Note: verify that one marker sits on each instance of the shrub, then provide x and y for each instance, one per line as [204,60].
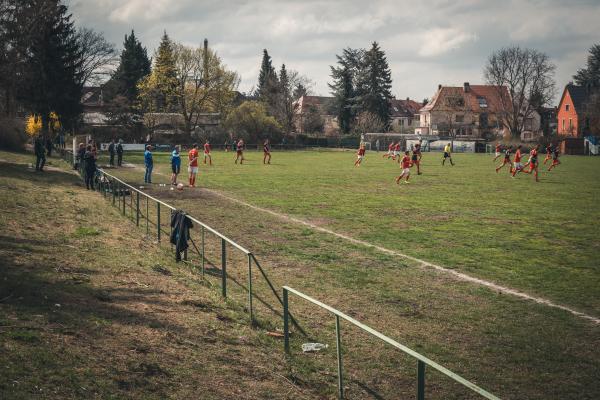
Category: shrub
[12,134]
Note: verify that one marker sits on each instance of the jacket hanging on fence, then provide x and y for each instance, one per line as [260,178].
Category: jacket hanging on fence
[180,234]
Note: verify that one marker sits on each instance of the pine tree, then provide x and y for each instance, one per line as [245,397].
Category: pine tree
[166,75]
[374,85]
[49,76]
[590,76]
[267,74]
[134,65]
[299,91]
[343,88]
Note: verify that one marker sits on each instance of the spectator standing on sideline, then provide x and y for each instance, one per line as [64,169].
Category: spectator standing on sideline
[79,160]
[377,145]
[40,153]
[49,146]
[61,140]
[111,153]
[120,153]
[175,165]
[90,167]
[149,164]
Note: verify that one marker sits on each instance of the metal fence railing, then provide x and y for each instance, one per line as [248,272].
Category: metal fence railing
[422,361]
[139,207]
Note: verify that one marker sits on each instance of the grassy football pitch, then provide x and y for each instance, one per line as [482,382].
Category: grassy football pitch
[541,238]
[537,238]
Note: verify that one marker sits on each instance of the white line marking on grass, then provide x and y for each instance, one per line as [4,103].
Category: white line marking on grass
[459,275]
[422,263]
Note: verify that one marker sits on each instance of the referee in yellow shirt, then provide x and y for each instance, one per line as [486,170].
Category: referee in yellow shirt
[448,154]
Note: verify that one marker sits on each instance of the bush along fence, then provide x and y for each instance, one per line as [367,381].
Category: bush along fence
[138,206]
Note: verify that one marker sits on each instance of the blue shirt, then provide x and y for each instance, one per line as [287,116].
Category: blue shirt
[175,159]
[148,158]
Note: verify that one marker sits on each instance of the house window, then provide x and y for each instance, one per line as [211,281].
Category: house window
[570,124]
[482,102]
[563,125]
[529,124]
[460,118]
[566,107]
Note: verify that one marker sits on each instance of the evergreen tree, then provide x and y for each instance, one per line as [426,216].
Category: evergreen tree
[591,74]
[299,91]
[266,76]
[133,66]
[374,85]
[343,88]
[165,73]
[49,73]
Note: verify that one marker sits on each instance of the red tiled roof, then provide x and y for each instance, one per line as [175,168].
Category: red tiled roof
[479,98]
[404,108]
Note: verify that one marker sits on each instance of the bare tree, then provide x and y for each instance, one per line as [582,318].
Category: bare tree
[519,75]
[98,56]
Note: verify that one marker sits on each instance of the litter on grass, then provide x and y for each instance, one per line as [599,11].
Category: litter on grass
[313,347]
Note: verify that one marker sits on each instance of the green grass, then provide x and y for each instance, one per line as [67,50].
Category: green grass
[537,237]
[514,348]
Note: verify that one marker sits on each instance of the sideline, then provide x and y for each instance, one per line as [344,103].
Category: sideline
[422,263]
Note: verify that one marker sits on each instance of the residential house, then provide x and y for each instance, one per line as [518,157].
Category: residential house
[574,115]
[405,115]
[94,110]
[470,111]
[306,105]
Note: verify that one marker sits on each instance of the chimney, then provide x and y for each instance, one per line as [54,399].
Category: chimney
[440,86]
[467,87]
[408,98]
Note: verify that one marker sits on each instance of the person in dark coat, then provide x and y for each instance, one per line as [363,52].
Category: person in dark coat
[49,146]
[40,153]
[90,167]
[120,153]
[111,153]
[79,160]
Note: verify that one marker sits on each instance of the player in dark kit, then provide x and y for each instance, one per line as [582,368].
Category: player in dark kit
[415,158]
[506,160]
[267,152]
[555,160]
[549,151]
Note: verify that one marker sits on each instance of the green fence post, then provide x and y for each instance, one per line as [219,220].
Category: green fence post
[250,287]
[158,220]
[338,341]
[137,208]
[112,188]
[420,380]
[203,252]
[123,196]
[286,325]
[223,268]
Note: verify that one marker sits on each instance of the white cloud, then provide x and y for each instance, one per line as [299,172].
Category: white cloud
[442,40]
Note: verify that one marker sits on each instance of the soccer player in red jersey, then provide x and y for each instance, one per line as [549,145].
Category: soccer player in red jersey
[267,152]
[405,165]
[360,155]
[555,160]
[239,151]
[533,162]
[498,151]
[207,152]
[390,151]
[396,151]
[193,164]
[506,160]
[518,165]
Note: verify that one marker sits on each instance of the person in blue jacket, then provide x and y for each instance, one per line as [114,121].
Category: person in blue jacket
[175,165]
[149,164]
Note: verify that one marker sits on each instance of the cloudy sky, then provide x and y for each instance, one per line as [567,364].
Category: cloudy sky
[426,42]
